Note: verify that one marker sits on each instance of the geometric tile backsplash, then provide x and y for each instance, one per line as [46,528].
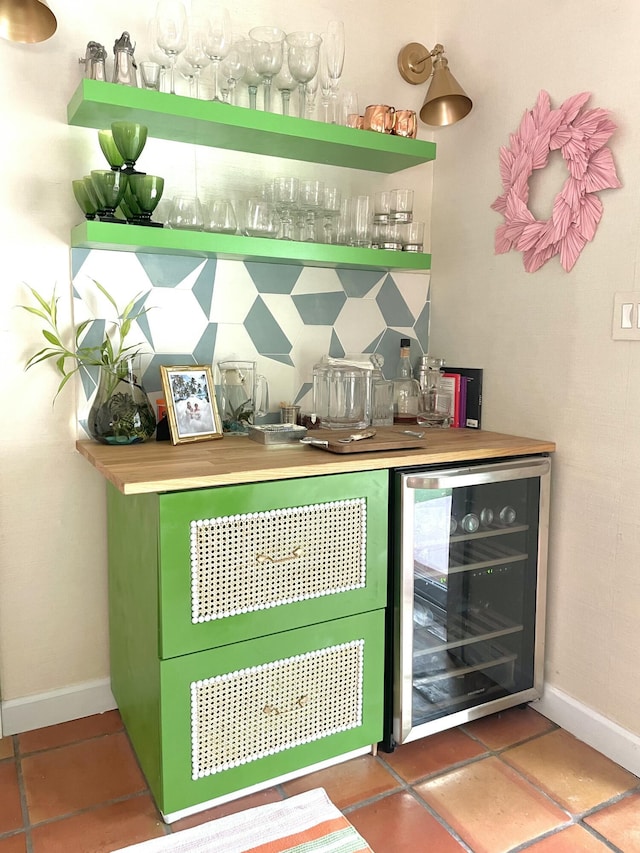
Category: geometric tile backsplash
[284,317]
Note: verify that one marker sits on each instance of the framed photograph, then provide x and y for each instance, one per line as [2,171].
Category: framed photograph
[191,403]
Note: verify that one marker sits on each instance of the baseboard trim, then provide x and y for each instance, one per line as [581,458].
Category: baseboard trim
[56,706]
[594,729]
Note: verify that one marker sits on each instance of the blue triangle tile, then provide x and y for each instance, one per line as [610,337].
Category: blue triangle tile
[143,321]
[273,278]
[373,346]
[392,305]
[264,331]
[336,350]
[389,348]
[421,327]
[358,282]
[319,309]
[167,270]
[304,389]
[279,357]
[203,286]
[78,257]
[204,349]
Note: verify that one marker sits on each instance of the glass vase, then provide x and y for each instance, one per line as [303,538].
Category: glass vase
[121,412]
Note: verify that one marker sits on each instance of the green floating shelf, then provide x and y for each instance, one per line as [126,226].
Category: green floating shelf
[135,238]
[218,125]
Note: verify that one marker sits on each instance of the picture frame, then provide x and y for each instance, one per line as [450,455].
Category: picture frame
[190,398]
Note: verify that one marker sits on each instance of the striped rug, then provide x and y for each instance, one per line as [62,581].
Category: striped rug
[306,823]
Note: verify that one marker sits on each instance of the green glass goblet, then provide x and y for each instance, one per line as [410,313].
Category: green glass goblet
[147,190]
[93,195]
[130,139]
[131,201]
[110,149]
[86,203]
[110,187]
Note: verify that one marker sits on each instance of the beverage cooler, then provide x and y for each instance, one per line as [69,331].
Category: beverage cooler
[467,630]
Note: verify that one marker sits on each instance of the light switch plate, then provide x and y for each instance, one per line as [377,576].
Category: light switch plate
[626,316]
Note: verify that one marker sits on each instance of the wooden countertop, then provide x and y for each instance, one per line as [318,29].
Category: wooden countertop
[162,467]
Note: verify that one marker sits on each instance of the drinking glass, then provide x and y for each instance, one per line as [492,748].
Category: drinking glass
[303,58]
[220,217]
[401,206]
[171,18]
[267,52]
[331,202]
[261,218]
[147,190]
[349,113]
[334,55]
[186,213]
[251,77]
[324,81]
[285,82]
[195,53]
[218,36]
[95,199]
[312,91]
[310,203]
[109,187]
[361,221]
[412,236]
[88,204]
[130,138]
[110,149]
[150,75]
[233,69]
[285,196]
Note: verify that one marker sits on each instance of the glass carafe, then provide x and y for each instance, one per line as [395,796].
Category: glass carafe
[243,395]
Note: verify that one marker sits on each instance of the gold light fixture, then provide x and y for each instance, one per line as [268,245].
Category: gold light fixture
[26,21]
[446,101]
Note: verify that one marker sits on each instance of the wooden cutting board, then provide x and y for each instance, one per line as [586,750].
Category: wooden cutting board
[386,438]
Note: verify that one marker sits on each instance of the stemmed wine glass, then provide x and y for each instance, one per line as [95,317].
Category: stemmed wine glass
[267,52]
[234,68]
[303,58]
[218,36]
[334,55]
[285,196]
[251,76]
[324,80]
[172,31]
[195,54]
[285,83]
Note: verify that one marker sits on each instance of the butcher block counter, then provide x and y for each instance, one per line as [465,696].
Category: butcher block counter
[162,467]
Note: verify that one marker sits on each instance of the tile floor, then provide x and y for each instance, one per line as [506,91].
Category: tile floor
[510,782]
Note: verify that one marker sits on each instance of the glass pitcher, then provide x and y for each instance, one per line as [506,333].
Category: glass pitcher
[243,395]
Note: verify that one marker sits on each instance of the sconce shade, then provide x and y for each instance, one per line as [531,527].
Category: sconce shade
[26,21]
[446,101]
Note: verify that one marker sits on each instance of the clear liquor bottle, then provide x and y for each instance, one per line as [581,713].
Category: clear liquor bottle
[406,389]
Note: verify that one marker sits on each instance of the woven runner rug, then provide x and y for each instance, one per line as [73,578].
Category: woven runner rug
[306,823]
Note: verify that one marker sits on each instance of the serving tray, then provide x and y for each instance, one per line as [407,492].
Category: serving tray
[386,438]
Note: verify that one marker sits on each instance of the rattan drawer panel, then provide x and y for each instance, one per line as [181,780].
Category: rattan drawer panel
[245,561]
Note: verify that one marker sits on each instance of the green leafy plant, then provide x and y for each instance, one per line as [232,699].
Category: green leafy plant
[113,353]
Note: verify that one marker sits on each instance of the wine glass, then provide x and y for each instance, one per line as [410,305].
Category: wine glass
[267,52]
[310,202]
[195,53]
[334,55]
[311,92]
[285,197]
[285,83]
[251,77]
[218,36]
[110,149]
[303,58]
[147,190]
[172,32]
[130,139]
[324,81]
[109,187]
[233,68]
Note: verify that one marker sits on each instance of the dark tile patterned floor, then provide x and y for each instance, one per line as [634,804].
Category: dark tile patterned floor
[510,782]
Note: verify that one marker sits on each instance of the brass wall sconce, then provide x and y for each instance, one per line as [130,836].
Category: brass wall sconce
[446,101]
[26,21]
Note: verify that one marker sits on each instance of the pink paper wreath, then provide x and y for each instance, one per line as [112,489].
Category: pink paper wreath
[581,135]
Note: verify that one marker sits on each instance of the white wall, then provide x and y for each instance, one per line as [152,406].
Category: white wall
[53,631]
[544,339]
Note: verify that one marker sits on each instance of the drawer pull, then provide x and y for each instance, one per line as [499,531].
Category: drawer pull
[298,551]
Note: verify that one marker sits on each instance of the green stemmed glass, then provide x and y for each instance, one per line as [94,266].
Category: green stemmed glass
[88,204]
[147,190]
[110,149]
[130,139]
[110,187]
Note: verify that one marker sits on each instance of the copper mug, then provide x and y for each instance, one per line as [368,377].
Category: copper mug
[379,117]
[406,123]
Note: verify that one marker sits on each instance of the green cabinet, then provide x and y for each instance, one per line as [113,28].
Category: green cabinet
[247,629]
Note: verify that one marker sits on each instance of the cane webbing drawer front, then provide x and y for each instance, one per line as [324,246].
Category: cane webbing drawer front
[262,708]
[244,561]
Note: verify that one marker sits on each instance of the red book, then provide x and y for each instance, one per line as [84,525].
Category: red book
[454,380]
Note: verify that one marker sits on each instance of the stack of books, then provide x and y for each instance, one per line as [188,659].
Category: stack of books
[465,384]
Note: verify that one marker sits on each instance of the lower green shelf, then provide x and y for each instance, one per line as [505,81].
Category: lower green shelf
[136,238]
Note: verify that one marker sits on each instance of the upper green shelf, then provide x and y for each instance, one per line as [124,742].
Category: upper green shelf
[137,238]
[218,125]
